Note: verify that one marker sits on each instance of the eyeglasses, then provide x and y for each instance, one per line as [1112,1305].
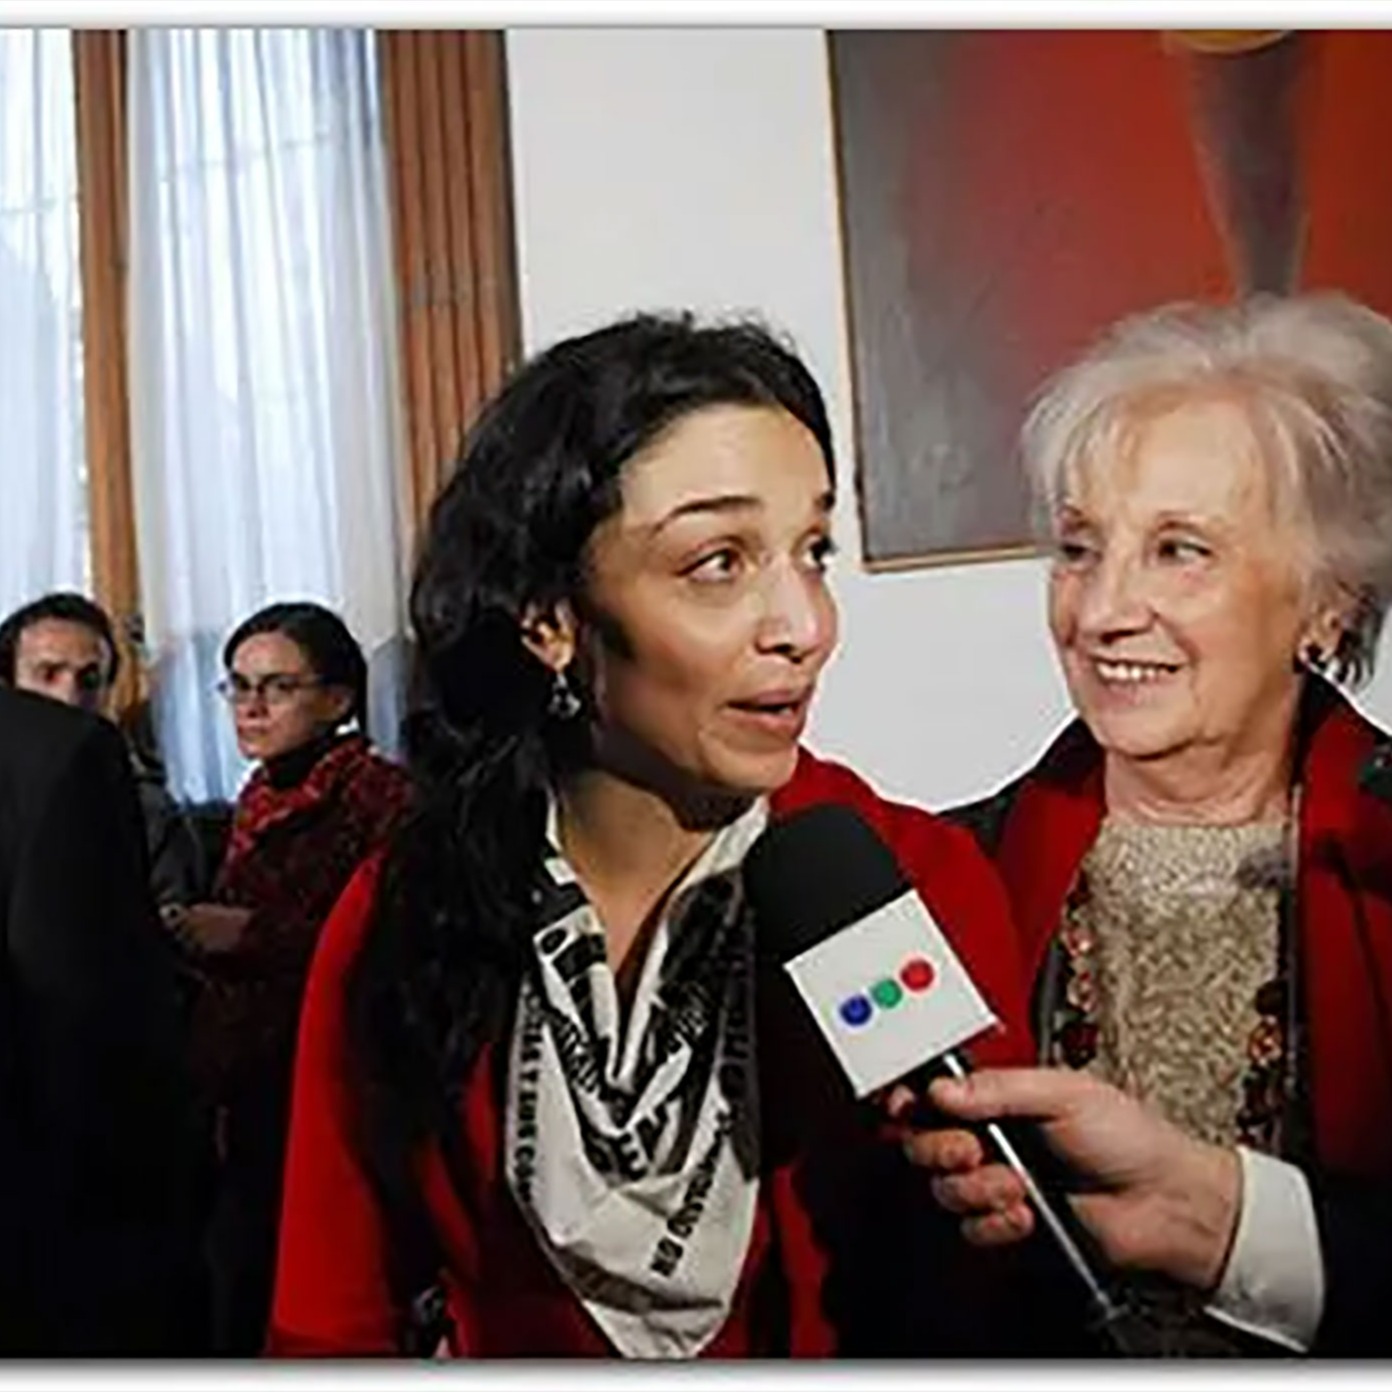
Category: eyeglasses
[275,689]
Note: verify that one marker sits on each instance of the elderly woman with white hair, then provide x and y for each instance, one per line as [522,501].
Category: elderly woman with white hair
[1199,869]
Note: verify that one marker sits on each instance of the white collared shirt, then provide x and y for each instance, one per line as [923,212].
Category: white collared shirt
[1273,1283]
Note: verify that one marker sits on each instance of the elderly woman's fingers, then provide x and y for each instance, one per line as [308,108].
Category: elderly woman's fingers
[987,1189]
[944,1150]
[1044,1093]
[900,1102]
[1000,1229]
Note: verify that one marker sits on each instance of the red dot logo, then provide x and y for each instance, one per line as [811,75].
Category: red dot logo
[917,974]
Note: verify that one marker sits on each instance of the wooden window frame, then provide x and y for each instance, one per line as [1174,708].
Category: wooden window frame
[99,73]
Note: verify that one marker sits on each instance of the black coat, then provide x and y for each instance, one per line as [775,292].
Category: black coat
[97,1151]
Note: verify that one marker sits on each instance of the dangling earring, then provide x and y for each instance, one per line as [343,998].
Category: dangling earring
[1313,658]
[563,703]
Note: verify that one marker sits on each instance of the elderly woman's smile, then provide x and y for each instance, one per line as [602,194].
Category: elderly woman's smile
[1132,672]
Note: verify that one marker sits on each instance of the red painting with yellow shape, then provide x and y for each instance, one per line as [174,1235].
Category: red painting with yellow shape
[1006,194]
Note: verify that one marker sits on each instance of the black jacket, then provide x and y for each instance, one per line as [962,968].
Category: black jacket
[97,1148]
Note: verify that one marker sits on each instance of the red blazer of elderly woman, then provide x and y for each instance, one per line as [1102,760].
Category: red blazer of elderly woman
[1041,826]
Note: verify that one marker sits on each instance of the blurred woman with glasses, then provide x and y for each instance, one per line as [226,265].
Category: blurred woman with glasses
[318,800]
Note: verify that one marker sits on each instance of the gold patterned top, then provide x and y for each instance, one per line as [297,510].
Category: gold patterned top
[1182,926]
[1172,935]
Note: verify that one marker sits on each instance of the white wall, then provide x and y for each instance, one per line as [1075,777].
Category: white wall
[694,167]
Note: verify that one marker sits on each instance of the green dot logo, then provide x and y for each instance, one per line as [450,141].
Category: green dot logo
[886,994]
[915,976]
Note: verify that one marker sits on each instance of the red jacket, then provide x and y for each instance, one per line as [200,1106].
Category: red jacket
[1343,907]
[835,1237]
[290,854]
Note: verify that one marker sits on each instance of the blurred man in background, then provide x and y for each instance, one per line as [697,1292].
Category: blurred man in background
[62,645]
[97,1143]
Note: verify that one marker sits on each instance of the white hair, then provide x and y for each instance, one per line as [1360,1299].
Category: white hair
[1313,375]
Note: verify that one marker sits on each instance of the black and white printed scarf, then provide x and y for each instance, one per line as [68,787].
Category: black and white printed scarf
[631,1146]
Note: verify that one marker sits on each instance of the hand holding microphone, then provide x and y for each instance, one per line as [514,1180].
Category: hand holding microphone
[1158,1199]
[889,995]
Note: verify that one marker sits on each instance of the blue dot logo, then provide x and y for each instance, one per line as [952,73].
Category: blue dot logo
[856,1011]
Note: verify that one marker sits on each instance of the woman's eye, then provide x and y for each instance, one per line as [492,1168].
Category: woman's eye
[1071,551]
[1182,549]
[716,565]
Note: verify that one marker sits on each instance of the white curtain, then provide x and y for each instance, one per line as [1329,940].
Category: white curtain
[265,427]
[43,515]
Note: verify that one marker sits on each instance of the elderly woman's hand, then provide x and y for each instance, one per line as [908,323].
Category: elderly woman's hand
[1156,1198]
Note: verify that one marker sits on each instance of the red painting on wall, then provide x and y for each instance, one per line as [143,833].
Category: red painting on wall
[1007,193]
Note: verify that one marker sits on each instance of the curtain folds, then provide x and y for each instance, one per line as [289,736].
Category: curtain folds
[264,395]
[44,521]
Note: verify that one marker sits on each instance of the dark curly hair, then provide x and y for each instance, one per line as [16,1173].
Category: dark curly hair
[541,468]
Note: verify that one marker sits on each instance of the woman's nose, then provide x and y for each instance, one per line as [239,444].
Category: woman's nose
[797,615]
[1114,597]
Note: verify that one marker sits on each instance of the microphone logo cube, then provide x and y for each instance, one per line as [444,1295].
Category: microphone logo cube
[889,993]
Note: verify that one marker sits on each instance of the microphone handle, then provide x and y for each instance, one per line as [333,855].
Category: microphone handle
[1109,1317]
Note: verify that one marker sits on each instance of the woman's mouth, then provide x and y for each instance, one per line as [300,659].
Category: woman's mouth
[776,713]
[1132,674]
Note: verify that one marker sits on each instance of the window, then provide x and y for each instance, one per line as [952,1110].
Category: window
[265,421]
[255,283]
[43,525]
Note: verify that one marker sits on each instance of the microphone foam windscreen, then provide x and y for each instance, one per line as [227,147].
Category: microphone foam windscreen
[814,873]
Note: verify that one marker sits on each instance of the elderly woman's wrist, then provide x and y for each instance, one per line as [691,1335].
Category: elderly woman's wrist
[1207,1198]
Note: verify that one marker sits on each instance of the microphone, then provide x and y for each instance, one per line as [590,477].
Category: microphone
[889,995]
